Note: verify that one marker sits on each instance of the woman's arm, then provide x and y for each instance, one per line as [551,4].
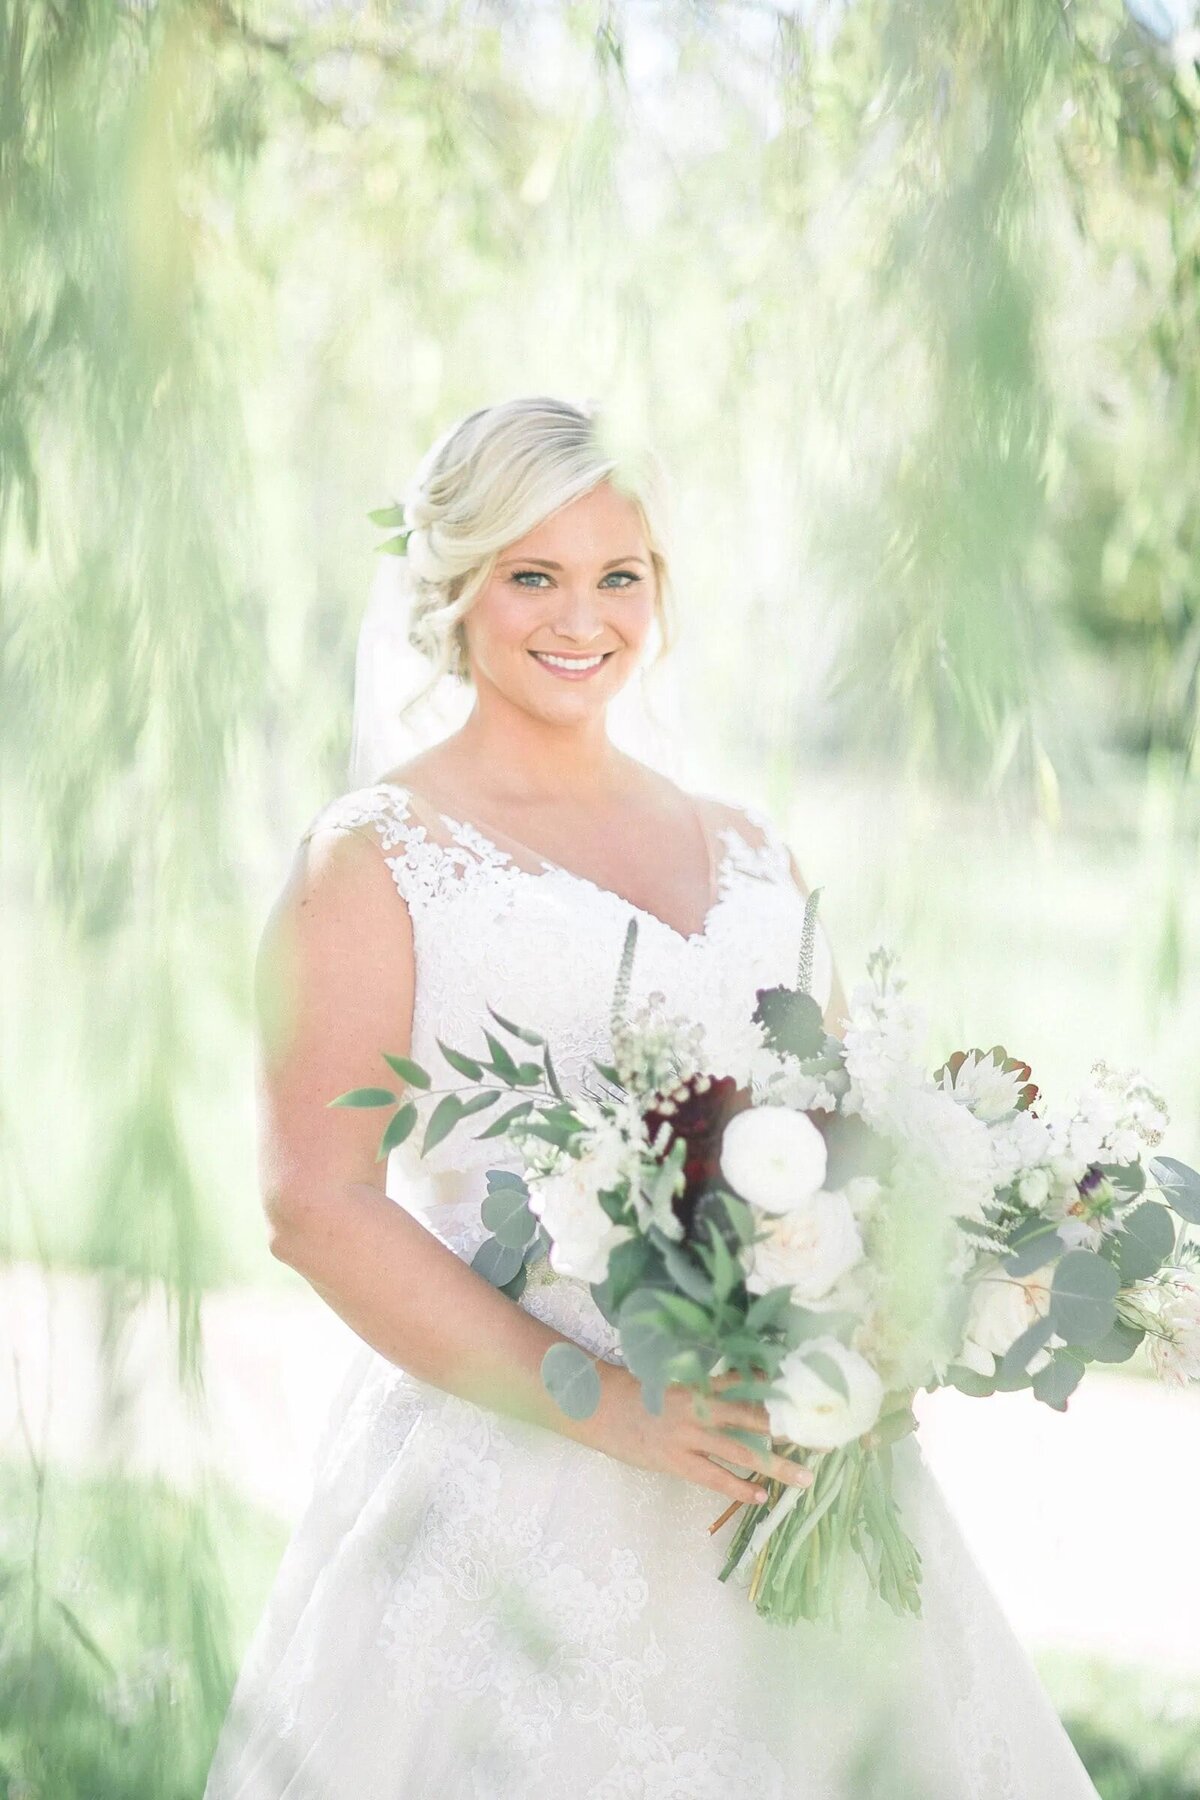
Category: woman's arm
[334,985]
[838,1007]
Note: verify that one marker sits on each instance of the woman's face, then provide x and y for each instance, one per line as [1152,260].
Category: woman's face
[561,624]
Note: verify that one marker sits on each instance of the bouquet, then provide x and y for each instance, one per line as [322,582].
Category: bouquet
[841,1231]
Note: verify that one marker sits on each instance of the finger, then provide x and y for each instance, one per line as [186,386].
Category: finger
[780,1468]
[711,1475]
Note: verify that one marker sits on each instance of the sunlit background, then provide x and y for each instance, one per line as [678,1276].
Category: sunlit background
[907,294]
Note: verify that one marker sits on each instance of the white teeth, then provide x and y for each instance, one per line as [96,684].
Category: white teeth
[568,662]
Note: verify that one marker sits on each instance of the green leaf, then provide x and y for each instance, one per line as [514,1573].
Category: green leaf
[496,1262]
[399,1127]
[684,1270]
[1033,1251]
[478,1102]
[572,1380]
[518,1031]
[1146,1240]
[1129,1177]
[466,1065]
[387,515]
[502,1062]
[1180,1185]
[506,1213]
[1024,1348]
[408,1070]
[394,546]
[1119,1345]
[831,1373]
[552,1081]
[791,1021]
[685,1312]
[970,1381]
[1081,1297]
[529,1074]
[505,1178]
[769,1309]
[516,1287]
[499,1126]
[724,1271]
[1058,1379]
[646,1340]
[366,1097]
[442,1120]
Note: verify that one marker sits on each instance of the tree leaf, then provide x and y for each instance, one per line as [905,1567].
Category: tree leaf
[466,1065]
[399,1127]
[1058,1379]
[408,1070]
[502,1062]
[368,1096]
[1033,1251]
[499,1126]
[522,1032]
[442,1120]
[1023,1349]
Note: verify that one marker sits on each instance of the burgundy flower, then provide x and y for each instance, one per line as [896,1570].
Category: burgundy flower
[697,1111]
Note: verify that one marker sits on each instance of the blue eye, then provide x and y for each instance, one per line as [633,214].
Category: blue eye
[629,577]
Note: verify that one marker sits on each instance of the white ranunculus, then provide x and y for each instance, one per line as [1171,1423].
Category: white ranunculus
[1175,1357]
[813,1414]
[1001,1308]
[582,1234]
[773,1157]
[807,1249]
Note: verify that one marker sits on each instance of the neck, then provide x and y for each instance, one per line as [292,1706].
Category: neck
[538,759]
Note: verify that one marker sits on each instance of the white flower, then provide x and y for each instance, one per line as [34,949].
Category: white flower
[1001,1308]
[883,1043]
[567,1199]
[807,1249]
[1034,1187]
[816,1416]
[1176,1304]
[773,1157]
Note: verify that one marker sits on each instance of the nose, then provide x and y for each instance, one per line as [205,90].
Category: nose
[577,619]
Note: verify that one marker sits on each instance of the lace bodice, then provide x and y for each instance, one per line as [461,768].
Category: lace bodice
[506,928]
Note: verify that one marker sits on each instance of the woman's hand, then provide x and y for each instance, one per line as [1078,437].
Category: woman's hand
[690,1431]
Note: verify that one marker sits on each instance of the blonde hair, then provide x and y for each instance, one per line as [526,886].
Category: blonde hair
[491,479]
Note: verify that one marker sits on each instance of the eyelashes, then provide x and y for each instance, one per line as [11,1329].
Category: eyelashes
[517,576]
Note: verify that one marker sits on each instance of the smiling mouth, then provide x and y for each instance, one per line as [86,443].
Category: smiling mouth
[573,667]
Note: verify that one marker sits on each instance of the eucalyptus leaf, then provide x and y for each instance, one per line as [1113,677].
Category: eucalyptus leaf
[572,1380]
[516,1287]
[1145,1241]
[505,1212]
[1118,1345]
[1081,1297]
[1033,1251]
[1180,1185]
[1021,1351]
[505,1178]
[496,1262]
[1058,1379]
[970,1381]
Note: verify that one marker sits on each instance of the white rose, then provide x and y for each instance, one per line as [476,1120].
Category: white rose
[773,1157]
[1001,1308]
[813,1414]
[806,1249]
[582,1234]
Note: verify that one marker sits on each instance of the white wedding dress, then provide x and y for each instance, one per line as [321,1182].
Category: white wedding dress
[472,1608]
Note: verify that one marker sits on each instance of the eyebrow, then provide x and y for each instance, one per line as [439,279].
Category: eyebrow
[543,564]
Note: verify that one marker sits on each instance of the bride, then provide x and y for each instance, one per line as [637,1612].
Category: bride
[485,1599]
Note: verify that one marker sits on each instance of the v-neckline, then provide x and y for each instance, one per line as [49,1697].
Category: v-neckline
[716,867]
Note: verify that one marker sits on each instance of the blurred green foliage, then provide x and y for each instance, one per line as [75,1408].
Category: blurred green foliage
[907,293]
